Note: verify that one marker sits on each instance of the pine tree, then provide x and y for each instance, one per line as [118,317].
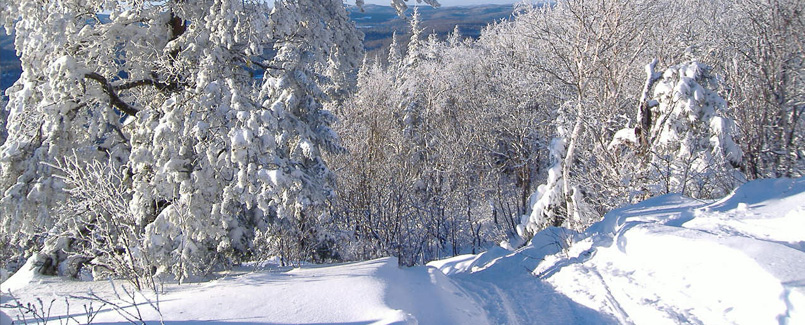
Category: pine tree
[693,151]
[394,57]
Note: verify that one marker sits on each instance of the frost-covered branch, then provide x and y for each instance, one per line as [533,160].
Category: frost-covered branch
[114,99]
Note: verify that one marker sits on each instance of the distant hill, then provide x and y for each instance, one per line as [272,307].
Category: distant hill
[379,22]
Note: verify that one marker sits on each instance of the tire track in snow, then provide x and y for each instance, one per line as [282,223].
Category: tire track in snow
[507,305]
[495,302]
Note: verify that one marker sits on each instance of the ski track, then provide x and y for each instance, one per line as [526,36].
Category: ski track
[669,259]
[620,313]
[494,301]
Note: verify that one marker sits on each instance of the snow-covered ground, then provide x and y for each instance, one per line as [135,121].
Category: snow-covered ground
[359,293]
[669,259]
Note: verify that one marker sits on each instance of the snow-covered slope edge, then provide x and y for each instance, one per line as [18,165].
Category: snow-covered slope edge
[672,259]
[371,292]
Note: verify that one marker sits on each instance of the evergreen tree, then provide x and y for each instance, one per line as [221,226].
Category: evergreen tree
[693,151]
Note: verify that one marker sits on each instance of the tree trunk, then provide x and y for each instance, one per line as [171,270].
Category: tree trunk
[568,162]
[643,131]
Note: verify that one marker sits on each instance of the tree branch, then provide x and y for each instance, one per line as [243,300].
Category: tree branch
[114,99]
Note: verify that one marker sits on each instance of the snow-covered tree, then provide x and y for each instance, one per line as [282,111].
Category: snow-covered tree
[685,142]
[215,107]
[299,178]
[692,146]
[395,56]
[415,51]
[582,52]
[441,150]
[547,203]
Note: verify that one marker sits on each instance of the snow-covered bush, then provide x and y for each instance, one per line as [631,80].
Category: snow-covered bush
[685,142]
[95,231]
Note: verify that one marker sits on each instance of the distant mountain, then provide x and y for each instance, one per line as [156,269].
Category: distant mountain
[379,22]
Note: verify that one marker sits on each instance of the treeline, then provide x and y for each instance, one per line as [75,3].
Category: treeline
[563,114]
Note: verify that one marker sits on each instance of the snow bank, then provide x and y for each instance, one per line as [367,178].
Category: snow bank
[672,259]
[26,275]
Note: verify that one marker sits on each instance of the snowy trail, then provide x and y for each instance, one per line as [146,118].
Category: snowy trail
[501,282]
[532,303]
[496,302]
[671,259]
[666,260]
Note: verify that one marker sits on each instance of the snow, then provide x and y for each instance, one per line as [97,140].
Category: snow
[672,259]
[669,259]
[623,137]
[22,278]
[376,291]
[347,293]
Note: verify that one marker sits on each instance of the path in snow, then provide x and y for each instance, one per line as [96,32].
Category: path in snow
[502,282]
[663,261]
[668,260]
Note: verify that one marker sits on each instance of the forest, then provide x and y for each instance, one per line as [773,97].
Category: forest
[178,138]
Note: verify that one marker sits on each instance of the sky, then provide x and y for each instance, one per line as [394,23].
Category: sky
[449,3]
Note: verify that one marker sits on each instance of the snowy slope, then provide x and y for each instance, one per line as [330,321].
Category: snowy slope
[666,260]
[669,260]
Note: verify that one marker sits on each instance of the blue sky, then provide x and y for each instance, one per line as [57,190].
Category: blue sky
[450,2]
